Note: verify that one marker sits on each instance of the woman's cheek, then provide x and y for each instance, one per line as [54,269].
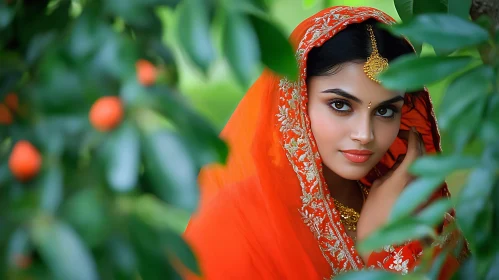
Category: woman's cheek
[323,126]
[389,133]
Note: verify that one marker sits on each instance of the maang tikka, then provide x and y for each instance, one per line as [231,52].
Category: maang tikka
[375,63]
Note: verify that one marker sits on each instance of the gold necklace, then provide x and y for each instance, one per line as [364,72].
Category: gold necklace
[349,217]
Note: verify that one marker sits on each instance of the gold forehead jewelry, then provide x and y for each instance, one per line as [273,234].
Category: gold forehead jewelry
[375,62]
[369,105]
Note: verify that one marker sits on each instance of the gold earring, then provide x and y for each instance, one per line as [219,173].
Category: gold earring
[369,105]
[375,63]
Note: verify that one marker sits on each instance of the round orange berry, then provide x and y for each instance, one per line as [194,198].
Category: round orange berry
[23,261]
[25,161]
[12,101]
[106,113]
[5,115]
[146,72]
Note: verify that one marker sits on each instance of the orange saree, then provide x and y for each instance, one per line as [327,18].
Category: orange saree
[268,214]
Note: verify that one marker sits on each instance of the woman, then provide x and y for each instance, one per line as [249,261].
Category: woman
[308,157]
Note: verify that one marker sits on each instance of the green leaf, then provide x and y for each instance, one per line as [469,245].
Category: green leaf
[178,249]
[19,246]
[374,275]
[464,91]
[480,240]
[124,158]
[468,123]
[433,214]
[468,269]
[396,233]
[86,211]
[5,174]
[56,79]
[62,132]
[149,245]
[51,187]
[411,72]
[171,169]
[194,34]
[170,75]
[154,3]
[473,198]
[490,126]
[51,18]
[6,15]
[414,195]
[165,239]
[407,9]
[201,138]
[89,32]
[11,72]
[493,273]
[162,216]
[63,251]
[277,52]
[460,8]
[439,165]
[137,14]
[123,257]
[241,47]
[452,33]
[39,44]
[418,47]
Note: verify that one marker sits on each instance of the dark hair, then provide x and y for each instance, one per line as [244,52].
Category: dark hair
[353,44]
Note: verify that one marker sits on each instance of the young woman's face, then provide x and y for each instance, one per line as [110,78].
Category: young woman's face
[354,120]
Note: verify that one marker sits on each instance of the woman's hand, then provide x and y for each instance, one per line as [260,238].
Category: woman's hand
[386,190]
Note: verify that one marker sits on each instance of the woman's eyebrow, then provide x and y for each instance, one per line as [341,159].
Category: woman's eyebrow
[391,100]
[347,95]
[343,93]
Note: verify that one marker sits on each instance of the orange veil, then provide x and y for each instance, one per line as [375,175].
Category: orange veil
[268,214]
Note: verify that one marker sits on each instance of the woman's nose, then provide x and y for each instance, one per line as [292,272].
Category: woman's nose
[362,131]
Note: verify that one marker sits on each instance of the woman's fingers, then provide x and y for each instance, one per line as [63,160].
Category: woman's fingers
[415,149]
[421,142]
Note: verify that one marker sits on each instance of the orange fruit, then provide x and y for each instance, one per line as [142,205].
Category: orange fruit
[5,115]
[12,101]
[25,161]
[22,261]
[146,72]
[106,113]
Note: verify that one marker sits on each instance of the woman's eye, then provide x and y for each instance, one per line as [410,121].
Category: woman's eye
[340,106]
[385,112]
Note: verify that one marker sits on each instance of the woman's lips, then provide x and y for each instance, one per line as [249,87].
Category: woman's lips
[357,156]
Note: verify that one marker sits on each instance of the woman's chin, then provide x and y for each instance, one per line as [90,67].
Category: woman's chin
[352,173]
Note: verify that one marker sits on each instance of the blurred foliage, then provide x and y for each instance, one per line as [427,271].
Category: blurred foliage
[99,150]
[117,183]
